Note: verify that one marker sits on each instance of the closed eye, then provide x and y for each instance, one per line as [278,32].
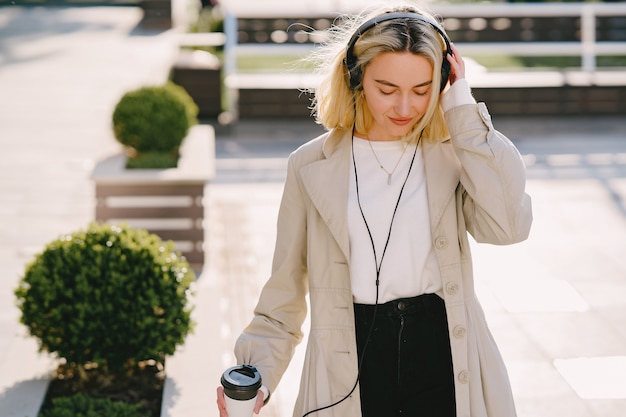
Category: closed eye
[422,92]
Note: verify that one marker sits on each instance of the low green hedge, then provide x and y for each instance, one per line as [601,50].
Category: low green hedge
[80,405]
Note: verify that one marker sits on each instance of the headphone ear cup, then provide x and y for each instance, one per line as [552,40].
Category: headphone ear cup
[445,72]
[354,72]
[355,77]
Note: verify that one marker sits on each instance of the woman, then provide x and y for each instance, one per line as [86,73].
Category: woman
[373,227]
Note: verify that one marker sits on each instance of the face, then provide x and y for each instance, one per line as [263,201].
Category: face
[397,88]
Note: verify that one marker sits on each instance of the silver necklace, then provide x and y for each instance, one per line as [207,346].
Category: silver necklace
[379,262]
[389,174]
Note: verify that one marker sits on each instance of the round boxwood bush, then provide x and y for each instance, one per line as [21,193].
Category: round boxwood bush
[109,295]
[154,120]
[81,405]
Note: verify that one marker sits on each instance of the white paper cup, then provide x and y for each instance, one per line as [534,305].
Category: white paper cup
[240,408]
[241,385]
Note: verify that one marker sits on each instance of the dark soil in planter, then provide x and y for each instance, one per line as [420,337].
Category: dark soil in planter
[143,385]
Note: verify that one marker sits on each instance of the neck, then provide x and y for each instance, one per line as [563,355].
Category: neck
[366,136]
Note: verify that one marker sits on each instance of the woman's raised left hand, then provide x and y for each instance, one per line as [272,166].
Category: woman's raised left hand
[457,65]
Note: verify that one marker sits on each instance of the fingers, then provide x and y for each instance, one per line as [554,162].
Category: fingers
[457,65]
[221,402]
[259,402]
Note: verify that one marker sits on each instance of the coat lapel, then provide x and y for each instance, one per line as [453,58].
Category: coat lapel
[326,182]
[442,177]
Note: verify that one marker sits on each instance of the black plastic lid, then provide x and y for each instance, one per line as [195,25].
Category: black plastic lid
[241,382]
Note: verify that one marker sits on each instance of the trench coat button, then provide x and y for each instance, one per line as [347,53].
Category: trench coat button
[464,377]
[441,242]
[459,332]
[452,288]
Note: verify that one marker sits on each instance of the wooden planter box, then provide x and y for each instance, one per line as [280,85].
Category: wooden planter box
[167,202]
[157,14]
[200,74]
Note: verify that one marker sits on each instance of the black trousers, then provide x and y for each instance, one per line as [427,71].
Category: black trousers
[407,367]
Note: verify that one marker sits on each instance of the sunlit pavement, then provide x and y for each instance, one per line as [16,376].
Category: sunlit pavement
[555,303]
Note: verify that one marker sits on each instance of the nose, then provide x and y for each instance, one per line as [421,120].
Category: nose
[403,105]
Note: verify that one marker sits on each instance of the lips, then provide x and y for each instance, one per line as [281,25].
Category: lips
[400,122]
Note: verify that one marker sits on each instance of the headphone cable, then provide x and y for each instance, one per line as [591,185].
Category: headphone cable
[378,267]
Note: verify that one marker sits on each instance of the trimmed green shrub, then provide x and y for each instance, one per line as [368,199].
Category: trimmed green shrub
[154,119]
[80,405]
[110,295]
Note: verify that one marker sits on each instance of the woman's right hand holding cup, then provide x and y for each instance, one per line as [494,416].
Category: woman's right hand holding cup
[221,402]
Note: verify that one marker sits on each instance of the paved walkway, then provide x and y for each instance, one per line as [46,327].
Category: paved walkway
[62,71]
[555,303]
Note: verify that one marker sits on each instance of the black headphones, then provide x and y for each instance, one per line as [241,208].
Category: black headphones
[354,70]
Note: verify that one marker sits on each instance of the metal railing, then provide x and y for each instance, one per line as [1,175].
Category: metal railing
[581,40]
[587,46]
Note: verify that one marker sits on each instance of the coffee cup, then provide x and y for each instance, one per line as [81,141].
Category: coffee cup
[241,384]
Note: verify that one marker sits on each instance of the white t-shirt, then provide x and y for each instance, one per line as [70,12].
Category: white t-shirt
[409,266]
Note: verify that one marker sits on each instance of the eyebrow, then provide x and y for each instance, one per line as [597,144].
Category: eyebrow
[387,83]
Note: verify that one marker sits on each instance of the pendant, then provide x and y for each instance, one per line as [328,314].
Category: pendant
[388,179]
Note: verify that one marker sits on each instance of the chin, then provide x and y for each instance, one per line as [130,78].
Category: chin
[400,131]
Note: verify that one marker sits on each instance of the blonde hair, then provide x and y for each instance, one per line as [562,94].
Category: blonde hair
[336,106]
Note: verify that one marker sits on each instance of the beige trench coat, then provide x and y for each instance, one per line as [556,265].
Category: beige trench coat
[475,184]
